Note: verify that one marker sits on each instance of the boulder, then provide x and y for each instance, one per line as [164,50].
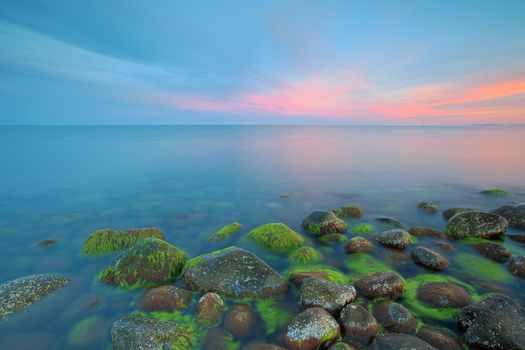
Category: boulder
[110,241]
[276,237]
[18,294]
[233,272]
[429,258]
[381,284]
[349,211]
[358,324]
[166,298]
[227,231]
[311,329]
[495,323]
[394,317]
[396,238]
[327,295]
[359,245]
[515,215]
[494,251]
[444,294]
[477,224]
[319,222]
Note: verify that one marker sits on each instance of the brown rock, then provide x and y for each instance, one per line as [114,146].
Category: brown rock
[311,329]
[494,251]
[517,266]
[381,284]
[394,317]
[240,320]
[350,211]
[429,258]
[358,324]
[166,298]
[441,340]
[421,231]
[444,294]
[210,309]
[359,245]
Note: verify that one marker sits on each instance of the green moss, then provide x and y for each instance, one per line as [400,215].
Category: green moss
[277,237]
[146,263]
[81,334]
[495,192]
[227,231]
[330,238]
[305,255]
[479,267]
[363,263]
[315,229]
[424,310]
[363,229]
[109,241]
[274,316]
[412,239]
[331,273]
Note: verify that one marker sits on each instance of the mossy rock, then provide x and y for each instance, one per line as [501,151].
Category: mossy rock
[333,238]
[495,192]
[481,268]
[81,335]
[273,314]
[305,255]
[109,241]
[326,272]
[319,222]
[428,311]
[277,237]
[227,231]
[363,229]
[147,263]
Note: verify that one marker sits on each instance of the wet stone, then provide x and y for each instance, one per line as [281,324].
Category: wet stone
[515,215]
[359,245]
[311,329]
[350,211]
[391,222]
[240,320]
[496,322]
[210,309]
[494,251]
[327,295]
[428,207]
[420,231]
[381,284]
[166,298]
[219,339]
[440,339]
[429,258]
[394,317]
[322,221]
[358,324]
[477,224]
[399,341]
[18,294]
[448,213]
[444,294]
[396,238]
[517,266]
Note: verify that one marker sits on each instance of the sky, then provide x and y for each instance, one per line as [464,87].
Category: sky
[405,62]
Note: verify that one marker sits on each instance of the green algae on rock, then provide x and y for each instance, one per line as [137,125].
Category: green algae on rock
[495,192]
[110,241]
[481,268]
[297,273]
[319,222]
[277,237]
[363,263]
[227,231]
[233,272]
[18,294]
[146,263]
[349,211]
[332,237]
[209,310]
[305,255]
[142,332]
[274,315]
[363,229]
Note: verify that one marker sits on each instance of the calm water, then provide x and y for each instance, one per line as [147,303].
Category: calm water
[64,182]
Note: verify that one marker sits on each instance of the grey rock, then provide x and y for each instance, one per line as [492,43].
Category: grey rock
[311,329]
[394,317]
[477,224]
[429,258]
[358,324]
[515,215]
[327,295]
[381,284]
[396,238]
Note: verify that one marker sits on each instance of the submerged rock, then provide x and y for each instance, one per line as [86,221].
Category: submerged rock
[320,222]
[440,339]
[381,284]
[394,317]
[333,237]
[240,320]
[166,298]
[359,245]
[518,237]
[149,261]
[233,272]
[47,242]
[358,324]
[429,207]
[324,272]
[210,309]
[109,241]
[429,258]
[396,238]
[81,335]
[444,294]
[349,211]
[391,222]
[515,215]
[448,213]
[227,231]
[495,323]
[261,346]
[220,339]
[18,294]
[311,329]
[304,255]
[341,346]
[399,341]
[495,251]
[477,224]
[139,332]
[495,192]
[277,237]
[420,231]
[517,266]
[328,295]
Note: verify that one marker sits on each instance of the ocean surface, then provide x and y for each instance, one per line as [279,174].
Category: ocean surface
[63,183]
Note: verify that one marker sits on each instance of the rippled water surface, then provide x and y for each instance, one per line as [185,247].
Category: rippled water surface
[64,182]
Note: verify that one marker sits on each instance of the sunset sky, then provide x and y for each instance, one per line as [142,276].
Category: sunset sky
[409,62]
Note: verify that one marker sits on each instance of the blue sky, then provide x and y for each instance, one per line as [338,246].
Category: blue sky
[260,62]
